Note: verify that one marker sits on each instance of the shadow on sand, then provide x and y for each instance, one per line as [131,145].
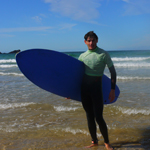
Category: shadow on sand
[142,144]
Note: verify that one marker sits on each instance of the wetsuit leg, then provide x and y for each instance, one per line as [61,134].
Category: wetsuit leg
[87,105]
[92,101]
[97,99]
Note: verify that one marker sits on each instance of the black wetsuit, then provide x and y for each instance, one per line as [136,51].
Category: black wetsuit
[92,101]
[92,97]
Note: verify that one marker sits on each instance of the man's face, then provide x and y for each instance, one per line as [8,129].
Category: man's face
[91,43]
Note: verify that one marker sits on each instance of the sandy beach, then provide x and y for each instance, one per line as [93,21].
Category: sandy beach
[43,140]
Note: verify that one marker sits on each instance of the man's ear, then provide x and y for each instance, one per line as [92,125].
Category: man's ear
[85,41]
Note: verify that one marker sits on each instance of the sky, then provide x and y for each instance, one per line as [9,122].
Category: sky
[61,24]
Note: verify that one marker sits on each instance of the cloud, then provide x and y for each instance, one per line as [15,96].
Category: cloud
[81,10]
[67,26]
[137,7]
[37,18]
[6,35]
[23,29]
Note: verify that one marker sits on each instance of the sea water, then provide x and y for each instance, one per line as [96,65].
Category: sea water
[31,118]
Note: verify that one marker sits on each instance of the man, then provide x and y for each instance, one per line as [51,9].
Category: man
[95,60]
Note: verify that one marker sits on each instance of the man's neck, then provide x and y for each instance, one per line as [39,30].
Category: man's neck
[93,49]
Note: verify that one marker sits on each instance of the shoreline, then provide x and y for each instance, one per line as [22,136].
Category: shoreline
[45,139]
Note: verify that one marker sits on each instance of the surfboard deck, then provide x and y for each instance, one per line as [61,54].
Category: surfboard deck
[57,73]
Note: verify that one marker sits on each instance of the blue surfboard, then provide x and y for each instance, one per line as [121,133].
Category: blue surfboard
[57,73]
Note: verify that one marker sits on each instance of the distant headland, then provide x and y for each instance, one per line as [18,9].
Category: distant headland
[12,52]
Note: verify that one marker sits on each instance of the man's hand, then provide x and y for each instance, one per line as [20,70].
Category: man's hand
[112,95]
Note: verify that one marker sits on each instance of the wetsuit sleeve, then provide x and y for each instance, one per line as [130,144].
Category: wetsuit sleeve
[113,76]
[108,60]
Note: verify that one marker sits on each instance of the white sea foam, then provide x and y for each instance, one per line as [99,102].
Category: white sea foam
[132,65]
[62,108]
[7,61]
[76,131]
[40,125]
[130,58]
[13,105]
[8,129]
[132,78]
[134,111]
[7,66]
[11,74]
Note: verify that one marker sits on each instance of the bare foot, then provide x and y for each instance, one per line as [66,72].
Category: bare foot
[108,146]
[92,145]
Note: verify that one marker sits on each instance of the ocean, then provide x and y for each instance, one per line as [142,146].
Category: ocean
[31,118]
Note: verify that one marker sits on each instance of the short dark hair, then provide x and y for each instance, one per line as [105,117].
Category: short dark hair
[90,34]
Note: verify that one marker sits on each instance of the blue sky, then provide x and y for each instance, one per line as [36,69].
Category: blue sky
[61,24]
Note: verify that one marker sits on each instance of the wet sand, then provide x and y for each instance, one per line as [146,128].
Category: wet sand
[45,140]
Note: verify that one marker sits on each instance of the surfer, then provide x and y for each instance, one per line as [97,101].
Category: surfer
[95,60]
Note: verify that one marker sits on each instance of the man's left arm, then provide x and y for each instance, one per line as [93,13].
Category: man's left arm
[113,83]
